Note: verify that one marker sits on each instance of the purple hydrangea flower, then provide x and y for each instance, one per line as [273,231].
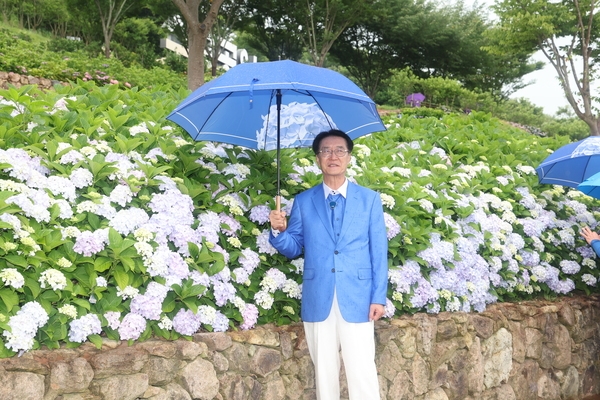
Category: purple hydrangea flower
[89,243]
[570,267]
[83,327]
[232,225]
[132,326]
[221,323]
[147,306]
[250,316]
[260,214]
[186,322]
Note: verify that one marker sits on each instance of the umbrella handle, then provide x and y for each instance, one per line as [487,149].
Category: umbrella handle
[278,208]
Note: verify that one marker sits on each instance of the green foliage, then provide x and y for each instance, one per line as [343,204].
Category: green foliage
[439,92]
[438,177]
[533,119]
[61,45]
[136,41]
[421,112]
[175,62]
[45,60]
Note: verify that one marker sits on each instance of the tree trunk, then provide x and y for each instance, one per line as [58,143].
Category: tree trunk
[214,64]
[197,36]
[595,127]
[106,46]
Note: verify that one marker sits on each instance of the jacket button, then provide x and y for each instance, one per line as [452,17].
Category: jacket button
[336,252]
[332,269]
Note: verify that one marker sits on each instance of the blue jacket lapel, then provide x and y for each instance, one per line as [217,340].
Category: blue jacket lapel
[322,210]
[351,200]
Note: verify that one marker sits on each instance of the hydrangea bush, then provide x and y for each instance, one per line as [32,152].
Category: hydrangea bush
[113,223]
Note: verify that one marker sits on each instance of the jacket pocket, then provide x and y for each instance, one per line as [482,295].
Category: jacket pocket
[364,273]
[308,274]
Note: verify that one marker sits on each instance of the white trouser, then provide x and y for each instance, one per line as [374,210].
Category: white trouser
[357,341]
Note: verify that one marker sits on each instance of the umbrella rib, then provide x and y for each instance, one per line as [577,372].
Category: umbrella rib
[285,85]
[587,162]
[210,115]
[363,126]
[226,135]
[190,122]
[321,108]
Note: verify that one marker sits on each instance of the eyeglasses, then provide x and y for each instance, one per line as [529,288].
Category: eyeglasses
[338,152]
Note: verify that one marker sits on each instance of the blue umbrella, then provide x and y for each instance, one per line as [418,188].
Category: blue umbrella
[571,164]
[591,186]
[274,105]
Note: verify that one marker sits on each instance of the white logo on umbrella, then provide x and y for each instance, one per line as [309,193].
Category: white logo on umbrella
[300,123]
[588,147]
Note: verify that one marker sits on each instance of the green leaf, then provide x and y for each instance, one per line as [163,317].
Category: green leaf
[96,340]
[194,250]
[115,240]
[169,303]
[192,304]
[128,263]
[121,277]
[101,264]
[81,303]
[18,261]
[94,220]
[9,298]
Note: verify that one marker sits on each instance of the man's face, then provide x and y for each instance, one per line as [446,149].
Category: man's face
[333,165]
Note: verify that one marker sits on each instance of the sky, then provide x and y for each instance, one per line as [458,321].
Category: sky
[545,90]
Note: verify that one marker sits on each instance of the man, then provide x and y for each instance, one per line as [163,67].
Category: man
[340,228]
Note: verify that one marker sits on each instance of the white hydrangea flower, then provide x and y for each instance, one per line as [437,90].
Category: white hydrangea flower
[387,200]
[128,293]
[101,281]
[165,323]
[53,278]
[64,263]
[12,277]
[69,310]
[264,299]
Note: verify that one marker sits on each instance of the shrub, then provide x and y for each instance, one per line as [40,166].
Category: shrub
[113,223]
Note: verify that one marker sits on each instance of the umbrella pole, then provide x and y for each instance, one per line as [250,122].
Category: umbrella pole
[278,197]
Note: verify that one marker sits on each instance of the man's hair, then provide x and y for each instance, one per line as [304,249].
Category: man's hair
[316,145]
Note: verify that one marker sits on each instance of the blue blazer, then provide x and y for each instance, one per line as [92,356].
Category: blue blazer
[355,264]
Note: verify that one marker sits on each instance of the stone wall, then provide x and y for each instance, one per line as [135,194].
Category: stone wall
[18,80]
[529,350]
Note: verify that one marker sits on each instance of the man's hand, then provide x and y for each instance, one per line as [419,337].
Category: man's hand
[589,235]
[278,221]
[376,311]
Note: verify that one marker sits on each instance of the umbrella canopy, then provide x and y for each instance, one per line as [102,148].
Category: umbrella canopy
[591,186]
[241,106]
[571,164]
[415,99]
[274,105]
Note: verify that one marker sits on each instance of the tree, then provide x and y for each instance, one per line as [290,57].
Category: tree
[57,17]
[564,32]
[138,40]
[284,29]
[33,11]
[431,40]
[84,19]
[8,8]
[324,22]
[228,19]
[197,34]
[111,11]
[270,27]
